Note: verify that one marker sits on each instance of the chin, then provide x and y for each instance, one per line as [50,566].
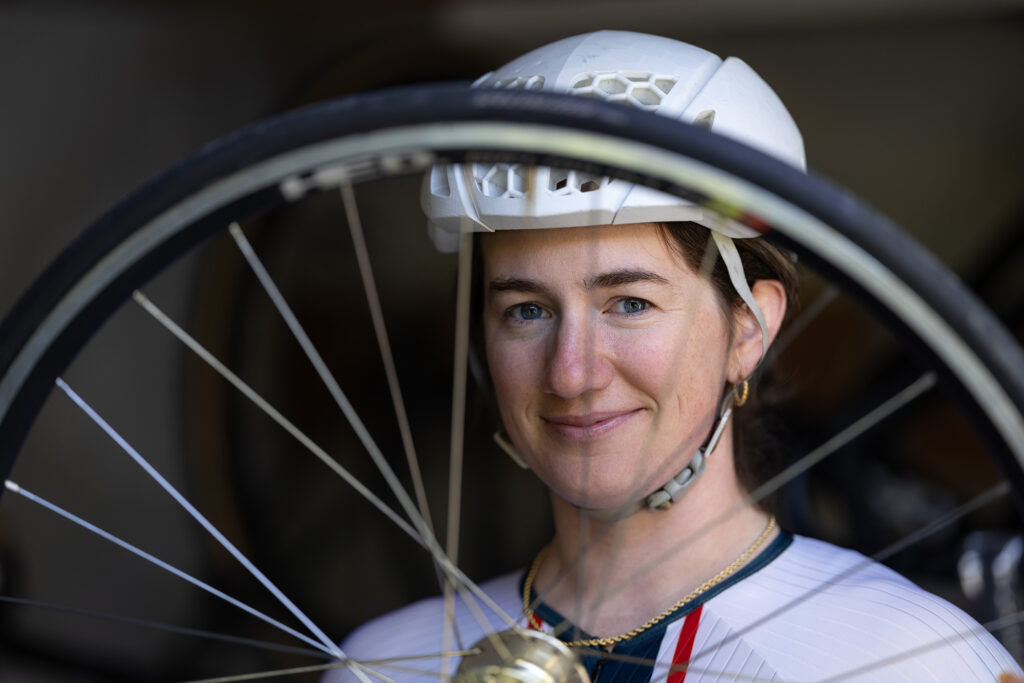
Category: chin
[600,481]
[601,496]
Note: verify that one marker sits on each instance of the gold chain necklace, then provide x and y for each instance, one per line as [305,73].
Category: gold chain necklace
[703,588]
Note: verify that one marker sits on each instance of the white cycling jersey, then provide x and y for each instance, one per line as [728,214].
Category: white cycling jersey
[803,610]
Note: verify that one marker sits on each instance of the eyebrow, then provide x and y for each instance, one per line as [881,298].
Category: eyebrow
[624,277]
[514,284]
[614,278]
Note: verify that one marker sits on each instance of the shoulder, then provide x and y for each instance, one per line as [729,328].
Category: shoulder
[417,629]
[823,609]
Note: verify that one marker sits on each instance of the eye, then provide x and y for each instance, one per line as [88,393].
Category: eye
[631,306]
[527,311]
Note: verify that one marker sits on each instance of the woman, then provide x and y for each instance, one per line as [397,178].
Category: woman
[621,329]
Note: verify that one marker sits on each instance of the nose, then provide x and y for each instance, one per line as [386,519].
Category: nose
[577,362]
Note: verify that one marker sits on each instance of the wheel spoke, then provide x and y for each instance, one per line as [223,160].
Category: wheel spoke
[198,516]
[806,317]
[981,629]
[387,357]
[170,628]
[394,663]
[883,411]
[273,413]
[11,486]
[461,357]
[459,377]
[328,379]
[412,658]
[356,668]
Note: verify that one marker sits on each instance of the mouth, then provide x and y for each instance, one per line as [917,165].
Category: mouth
[588,426]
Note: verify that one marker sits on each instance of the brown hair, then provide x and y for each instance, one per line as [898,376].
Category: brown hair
[761,261]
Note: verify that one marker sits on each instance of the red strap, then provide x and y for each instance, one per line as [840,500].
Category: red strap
[533,622]
[684,646]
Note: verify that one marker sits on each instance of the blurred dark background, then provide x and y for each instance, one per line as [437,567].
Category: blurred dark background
[915,107]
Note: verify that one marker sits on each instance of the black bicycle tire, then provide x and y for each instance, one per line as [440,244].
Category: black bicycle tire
[395,109]
[456,104]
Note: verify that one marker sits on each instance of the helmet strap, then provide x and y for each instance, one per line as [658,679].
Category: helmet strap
[463,182]
[733,264]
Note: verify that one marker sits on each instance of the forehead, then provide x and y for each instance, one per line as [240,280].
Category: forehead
[574,252]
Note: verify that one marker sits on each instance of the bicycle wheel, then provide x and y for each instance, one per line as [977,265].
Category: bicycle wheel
[391,136]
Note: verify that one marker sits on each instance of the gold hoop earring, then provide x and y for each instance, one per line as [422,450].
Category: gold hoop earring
[740,396]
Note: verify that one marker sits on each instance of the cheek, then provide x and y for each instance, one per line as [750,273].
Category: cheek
[686,358]
[647,361]
[512,367]
[707,347]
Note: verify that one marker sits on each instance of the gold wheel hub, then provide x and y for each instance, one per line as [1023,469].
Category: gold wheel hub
[521,657]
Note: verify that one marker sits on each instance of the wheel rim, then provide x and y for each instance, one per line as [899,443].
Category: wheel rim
[400,150]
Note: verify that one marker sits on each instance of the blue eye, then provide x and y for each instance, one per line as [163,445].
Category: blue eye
[528,312]
[631,306]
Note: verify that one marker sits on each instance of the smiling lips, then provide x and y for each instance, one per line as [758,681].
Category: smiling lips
[587,427]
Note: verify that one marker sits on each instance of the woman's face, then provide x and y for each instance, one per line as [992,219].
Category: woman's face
[608,355]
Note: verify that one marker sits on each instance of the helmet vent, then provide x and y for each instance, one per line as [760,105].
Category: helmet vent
[501,180]
[521,83]
[640,89]
[565,182]
[439,186]
[705,119]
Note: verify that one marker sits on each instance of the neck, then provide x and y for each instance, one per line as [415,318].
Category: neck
[615,576]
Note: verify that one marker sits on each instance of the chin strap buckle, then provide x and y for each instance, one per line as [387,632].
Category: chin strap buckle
[675,487]
[673,490]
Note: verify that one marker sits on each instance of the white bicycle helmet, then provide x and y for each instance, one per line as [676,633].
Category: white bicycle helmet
[658,74]
[665,76]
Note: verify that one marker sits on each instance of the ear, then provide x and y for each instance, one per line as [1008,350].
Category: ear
[745,354]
